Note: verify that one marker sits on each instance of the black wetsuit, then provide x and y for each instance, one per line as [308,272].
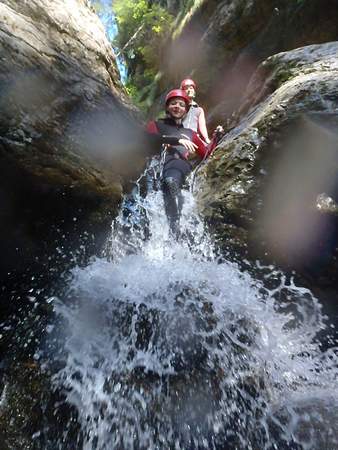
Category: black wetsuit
[175,164]
[175,168]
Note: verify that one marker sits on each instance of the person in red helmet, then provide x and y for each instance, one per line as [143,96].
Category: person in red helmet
[171,130]
[183,148]
[195,118]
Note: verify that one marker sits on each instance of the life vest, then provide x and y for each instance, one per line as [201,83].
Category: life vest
[192,117]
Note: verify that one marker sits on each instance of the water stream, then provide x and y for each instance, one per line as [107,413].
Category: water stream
[166,345]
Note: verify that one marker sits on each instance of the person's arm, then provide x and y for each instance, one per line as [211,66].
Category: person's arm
[202,147]
[216,137]
[202,126]
[156,139]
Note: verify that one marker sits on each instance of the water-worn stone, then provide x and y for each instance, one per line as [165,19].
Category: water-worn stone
[63,116]
[33,413]
[260,190]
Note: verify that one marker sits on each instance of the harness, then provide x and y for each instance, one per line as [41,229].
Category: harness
[169,128]
[153,173]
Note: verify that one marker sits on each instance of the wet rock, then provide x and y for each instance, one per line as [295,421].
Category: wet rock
[260,190]
[221,43]
[174,373]
[32,414]
[326,204]
[305,420]
[64,119]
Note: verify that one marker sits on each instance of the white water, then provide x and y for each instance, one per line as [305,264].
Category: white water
[169,347]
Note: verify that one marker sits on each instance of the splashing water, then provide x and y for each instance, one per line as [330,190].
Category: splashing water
[169,347]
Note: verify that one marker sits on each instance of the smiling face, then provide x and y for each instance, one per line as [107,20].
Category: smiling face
[176,108]
[190,91]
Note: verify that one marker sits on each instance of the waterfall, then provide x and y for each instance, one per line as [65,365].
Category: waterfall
[167,345]
[107,17]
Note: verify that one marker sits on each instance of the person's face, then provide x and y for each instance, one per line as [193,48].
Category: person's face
[190,90]
[176,108]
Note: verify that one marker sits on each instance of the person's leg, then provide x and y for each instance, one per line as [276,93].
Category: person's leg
[150,180]
[171,185]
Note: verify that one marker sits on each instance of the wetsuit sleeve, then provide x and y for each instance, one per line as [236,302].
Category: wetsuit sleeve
[152,128]
[212,145]
[202,148]
[216,137]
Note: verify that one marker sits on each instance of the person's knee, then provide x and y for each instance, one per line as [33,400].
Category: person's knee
[171,186]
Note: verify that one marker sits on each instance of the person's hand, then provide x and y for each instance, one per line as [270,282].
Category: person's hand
[187,144]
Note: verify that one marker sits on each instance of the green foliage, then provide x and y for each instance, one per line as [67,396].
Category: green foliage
[140,95]
[131,90]
[143,27]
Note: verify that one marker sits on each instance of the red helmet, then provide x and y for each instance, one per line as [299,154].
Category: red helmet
[177,93]
[188,82]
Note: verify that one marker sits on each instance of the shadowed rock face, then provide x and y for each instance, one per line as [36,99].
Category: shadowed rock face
[267,185]
[64,119]
[222,42]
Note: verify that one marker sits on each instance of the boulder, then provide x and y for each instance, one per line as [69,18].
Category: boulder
[64,122]
[270,188]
